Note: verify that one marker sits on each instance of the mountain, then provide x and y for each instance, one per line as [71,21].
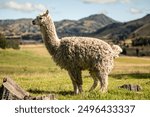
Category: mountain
[144,30]
[98,25]
[17,27]
[80,27]
[83,26]
[122,31]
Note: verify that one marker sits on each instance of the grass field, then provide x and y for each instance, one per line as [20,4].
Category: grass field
[34,70]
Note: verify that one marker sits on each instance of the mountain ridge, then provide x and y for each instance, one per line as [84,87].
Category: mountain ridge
[84,25]
[121,31]
[96,25]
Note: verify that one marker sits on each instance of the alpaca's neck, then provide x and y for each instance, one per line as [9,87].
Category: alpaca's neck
[50,36]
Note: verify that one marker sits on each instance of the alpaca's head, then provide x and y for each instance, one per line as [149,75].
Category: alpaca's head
[39,20]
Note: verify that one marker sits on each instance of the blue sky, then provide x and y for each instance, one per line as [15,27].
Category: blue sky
[120,10]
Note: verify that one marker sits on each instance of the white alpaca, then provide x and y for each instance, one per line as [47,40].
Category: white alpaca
[78,53]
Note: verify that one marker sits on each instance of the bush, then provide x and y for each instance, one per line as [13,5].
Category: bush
[141,41]
[4,43]
[12,44]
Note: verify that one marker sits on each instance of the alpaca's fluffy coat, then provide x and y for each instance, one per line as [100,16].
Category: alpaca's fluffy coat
[79,53]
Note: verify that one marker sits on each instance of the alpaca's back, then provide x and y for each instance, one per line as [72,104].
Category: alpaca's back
[82,52]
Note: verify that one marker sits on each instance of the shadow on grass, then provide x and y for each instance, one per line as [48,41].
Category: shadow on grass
[64,93]
[131,75]
[36,91]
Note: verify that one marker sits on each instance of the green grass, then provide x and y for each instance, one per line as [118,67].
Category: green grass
[34,70]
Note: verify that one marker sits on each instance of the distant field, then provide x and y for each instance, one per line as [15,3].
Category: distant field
[34,70]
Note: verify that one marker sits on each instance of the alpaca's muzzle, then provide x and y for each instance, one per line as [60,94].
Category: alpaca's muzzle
[33,22]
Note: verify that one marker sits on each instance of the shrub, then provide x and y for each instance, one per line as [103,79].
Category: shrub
[141,41]
[4,43]
[12,44]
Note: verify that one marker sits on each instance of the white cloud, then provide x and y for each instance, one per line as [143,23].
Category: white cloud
[103,12]
[27,7]
[136,11]
[99,1]
[105,1]
[125,1]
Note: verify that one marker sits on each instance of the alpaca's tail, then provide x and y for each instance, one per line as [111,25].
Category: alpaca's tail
[117,50]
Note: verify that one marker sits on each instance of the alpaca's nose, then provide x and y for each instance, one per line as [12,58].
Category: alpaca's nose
[33,22]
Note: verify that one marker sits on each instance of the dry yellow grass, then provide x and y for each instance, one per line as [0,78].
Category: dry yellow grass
[37,49]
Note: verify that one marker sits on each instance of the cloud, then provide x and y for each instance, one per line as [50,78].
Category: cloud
[99,1]
[125,1]
[105,1]
[26,7]
[103,12]
[136,11]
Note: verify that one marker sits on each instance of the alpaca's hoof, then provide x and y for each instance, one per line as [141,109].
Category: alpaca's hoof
[103,90]
[77,93]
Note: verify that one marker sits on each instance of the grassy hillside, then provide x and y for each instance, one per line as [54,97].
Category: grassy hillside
[33,69]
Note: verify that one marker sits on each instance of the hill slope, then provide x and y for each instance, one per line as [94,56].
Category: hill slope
[121,31]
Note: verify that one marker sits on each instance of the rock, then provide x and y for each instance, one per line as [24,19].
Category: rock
[11,91]
[131,87]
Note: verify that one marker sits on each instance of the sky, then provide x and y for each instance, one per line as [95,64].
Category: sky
[120,10]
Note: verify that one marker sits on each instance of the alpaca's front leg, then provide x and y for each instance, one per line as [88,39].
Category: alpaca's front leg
[75,76]
[75,86]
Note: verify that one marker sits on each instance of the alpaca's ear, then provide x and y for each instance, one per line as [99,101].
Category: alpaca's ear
[46,12]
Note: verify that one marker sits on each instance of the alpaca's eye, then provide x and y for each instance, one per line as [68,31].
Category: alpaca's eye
[40,18]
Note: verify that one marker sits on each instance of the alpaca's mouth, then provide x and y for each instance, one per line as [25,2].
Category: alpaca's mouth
[33,22]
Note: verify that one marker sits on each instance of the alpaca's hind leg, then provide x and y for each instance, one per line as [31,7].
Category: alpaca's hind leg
[103,78]
[104,82]
[95,83]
